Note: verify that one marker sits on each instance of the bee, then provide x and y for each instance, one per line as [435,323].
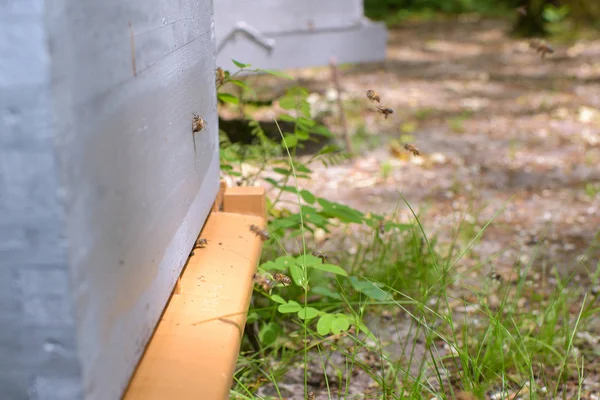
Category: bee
[262,233]
[310,396]
[381,228]
[495,276]
[412,148]
[521,10]
[385,111]
[220,76]
[321,255]
[201,243]
[373,95]
[541,47]
[198,123]
[265,283]
[283,279]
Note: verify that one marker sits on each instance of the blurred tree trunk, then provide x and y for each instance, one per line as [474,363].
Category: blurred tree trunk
[531,22]
[587,11]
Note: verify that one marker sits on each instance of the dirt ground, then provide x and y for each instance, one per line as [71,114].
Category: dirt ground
[499,129]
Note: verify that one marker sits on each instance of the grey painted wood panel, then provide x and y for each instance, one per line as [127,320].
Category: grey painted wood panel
[281,34]
[102,192]
[281,16]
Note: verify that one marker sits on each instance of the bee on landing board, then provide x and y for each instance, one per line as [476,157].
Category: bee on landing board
[373,96]
[201,243]
[412,148]
[385,111]
[262,233]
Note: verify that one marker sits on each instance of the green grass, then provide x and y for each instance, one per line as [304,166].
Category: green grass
[391,314]
[500,344]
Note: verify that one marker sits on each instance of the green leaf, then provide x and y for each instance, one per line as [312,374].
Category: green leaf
[340,211]
[305,108]
[239,83]
[303,168]
[289,307]
[307,196]
[308,313]
[228,98]
[282,171]
[369,289]
[324,324]
[334,269]
[284,262]
[278,299]
[275,73]
[323,131]
[241,65]
[307,260]
[287,103]
[268,333]
[290,140]
[326,292]
[301,134]
[287,118]
[340,324]
[297,275]
[271,181]
[364,329]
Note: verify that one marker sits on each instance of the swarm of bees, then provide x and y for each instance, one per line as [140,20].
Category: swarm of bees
[374,97]
[198,123]
[320,255]
[412,148]
[541,47]
[220,76]
[262,233]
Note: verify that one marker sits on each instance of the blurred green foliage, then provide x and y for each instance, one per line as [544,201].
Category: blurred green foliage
[382,9]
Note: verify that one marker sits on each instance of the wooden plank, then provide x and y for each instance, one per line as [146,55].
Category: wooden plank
[193,352]
[245,200]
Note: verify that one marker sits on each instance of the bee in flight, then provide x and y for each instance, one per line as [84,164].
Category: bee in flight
[541,47]
[385,111]
[521,10]
[264,282]
[320,255]
[412,148]
[283,279]
[262,233]
[381,228]
[198,123]
[373,96]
